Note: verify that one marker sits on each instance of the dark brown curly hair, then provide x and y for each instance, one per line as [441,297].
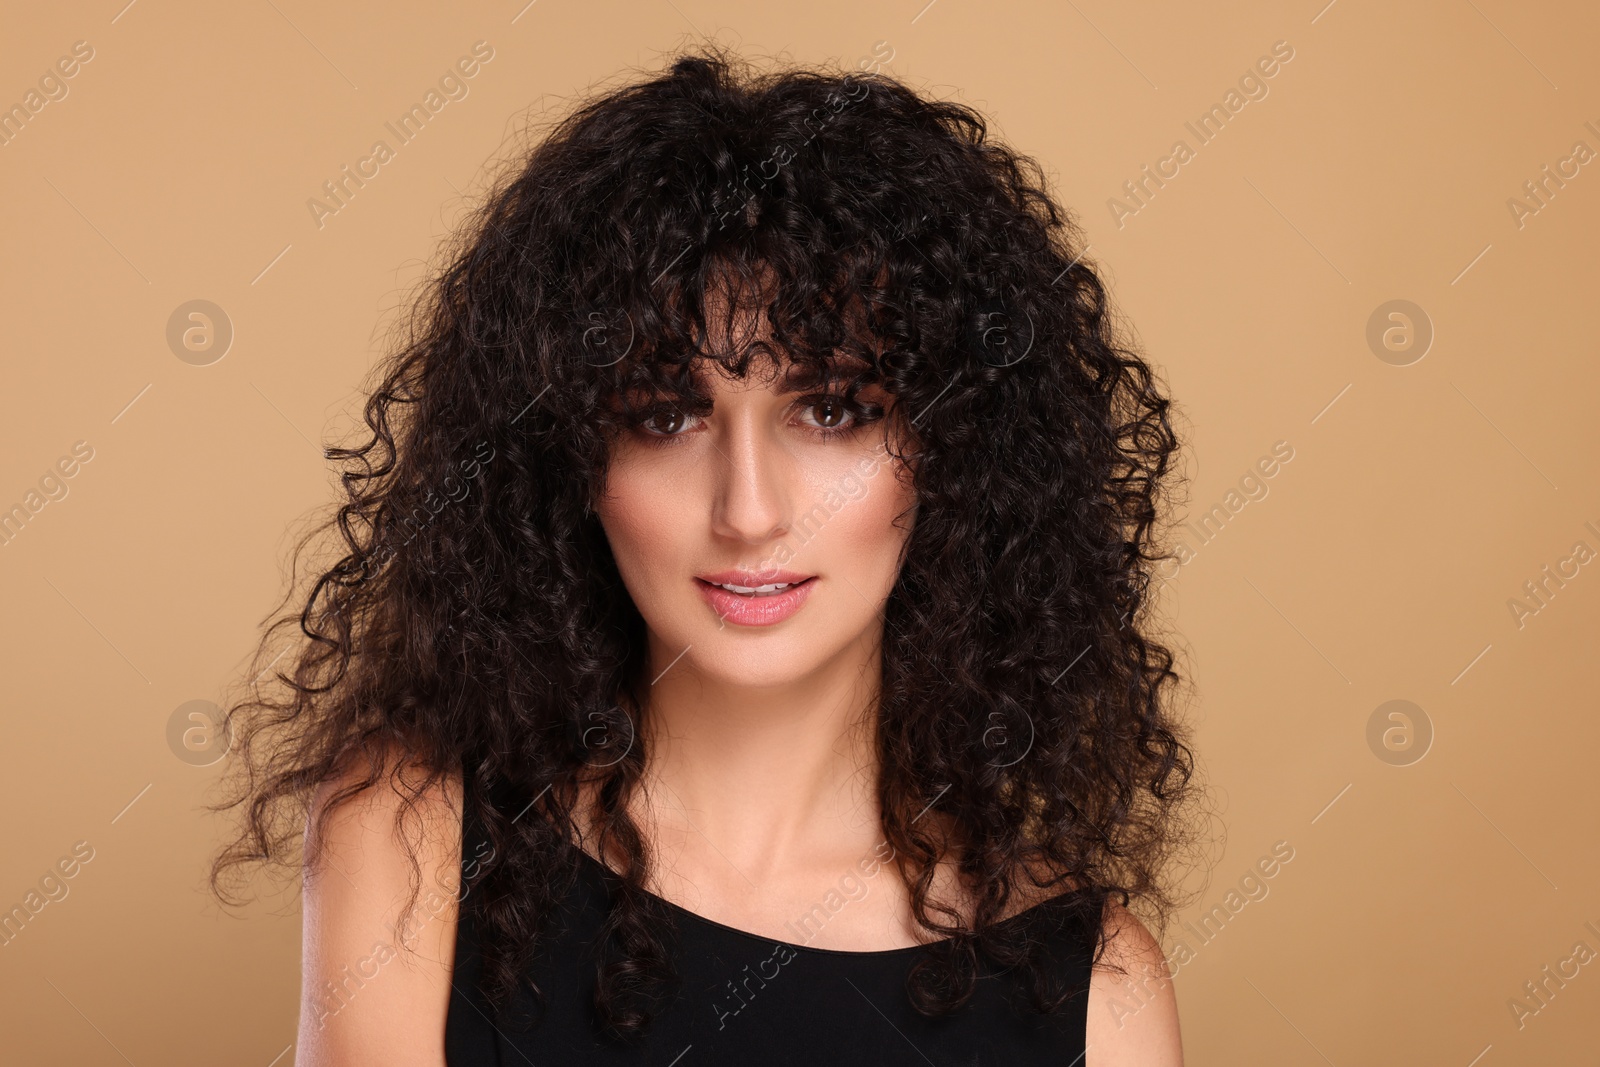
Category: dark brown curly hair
[472,615]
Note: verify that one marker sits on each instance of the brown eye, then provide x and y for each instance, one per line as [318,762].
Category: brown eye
[834,414]
[666,423]
[830,413]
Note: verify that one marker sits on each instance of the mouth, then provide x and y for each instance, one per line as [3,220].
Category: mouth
[755,592]
[755,600]
[767,582]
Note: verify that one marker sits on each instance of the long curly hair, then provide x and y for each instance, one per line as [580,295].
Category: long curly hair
[471,614]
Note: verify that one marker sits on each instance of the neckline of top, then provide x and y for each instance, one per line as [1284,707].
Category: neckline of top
[874,953]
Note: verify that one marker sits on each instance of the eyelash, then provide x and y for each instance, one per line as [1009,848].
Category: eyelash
[860,416]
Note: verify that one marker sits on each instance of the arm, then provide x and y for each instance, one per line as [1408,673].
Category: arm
[1133,1016]
[367,997]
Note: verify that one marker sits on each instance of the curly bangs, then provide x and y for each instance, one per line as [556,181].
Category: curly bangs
[475,620]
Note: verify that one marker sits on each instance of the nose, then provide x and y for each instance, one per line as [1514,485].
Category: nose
[752,484]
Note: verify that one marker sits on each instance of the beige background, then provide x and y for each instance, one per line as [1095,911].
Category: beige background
[1419,500]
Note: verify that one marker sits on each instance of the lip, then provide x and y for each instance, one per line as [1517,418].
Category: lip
[754,610]
[753,578]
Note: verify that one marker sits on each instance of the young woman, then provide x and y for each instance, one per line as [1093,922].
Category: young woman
[738,648]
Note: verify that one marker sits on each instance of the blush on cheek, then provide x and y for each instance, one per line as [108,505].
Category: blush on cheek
[869,534]
[656,537]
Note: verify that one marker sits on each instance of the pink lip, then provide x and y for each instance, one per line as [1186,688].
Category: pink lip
[753,578]
[754,610]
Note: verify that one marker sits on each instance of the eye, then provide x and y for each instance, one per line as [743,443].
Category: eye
[664,422]
[830,410]
[834,414]
[824,415]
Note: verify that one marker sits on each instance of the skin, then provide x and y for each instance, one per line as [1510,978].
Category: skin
[393,1010]
[758,797]
[760,790]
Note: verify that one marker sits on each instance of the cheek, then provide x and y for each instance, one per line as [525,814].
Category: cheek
[868,534]
[642,516]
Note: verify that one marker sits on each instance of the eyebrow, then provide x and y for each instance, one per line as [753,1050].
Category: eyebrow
[797,376]
[809,375]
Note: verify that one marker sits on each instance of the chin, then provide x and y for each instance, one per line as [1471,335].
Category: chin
[728,654]
[738,656]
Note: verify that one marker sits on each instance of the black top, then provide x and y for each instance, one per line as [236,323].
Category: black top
[748,999]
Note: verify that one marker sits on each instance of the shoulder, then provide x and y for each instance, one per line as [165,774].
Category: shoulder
[366,812]
[379,916]
[1133,1013]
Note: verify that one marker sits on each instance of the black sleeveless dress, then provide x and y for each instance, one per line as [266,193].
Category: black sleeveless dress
[752,1000]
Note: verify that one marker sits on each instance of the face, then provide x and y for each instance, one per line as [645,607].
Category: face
[761,537]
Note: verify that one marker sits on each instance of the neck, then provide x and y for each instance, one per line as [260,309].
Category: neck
[763,778]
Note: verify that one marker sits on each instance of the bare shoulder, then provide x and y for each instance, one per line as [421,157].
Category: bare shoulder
[378,937]
[1133,1014]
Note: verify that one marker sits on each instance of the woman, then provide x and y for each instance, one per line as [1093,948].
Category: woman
[737,652]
